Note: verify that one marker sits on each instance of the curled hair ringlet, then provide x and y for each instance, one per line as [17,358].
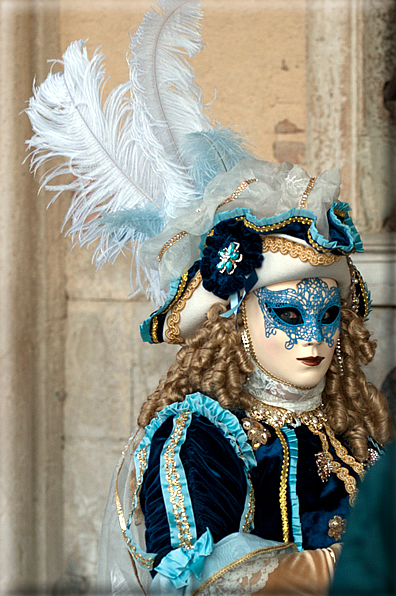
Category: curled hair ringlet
[355,408]
[214,362]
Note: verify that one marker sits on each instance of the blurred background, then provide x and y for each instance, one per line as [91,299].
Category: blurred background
[308,81]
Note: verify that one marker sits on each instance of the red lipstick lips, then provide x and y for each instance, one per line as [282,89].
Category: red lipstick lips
[311,360]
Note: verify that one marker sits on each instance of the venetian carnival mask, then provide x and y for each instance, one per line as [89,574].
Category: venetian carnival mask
[294,328]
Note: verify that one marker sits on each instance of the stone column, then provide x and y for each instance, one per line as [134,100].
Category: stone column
[32,317]
[350,56]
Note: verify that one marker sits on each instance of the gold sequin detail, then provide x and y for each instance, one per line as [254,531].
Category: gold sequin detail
[256,433]
[278,417]
[276,226]
[296,250]
[283,486]
[363,293]
[314,244]
[337,527]
[174,487]
[324,465]
[170,243]
[251,510]
[306,193]
[237,192]
[172,332]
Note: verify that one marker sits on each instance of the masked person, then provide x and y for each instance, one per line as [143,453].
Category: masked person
[247,456]
[255,441]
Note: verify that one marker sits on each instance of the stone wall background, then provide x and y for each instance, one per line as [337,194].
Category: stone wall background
[73,369]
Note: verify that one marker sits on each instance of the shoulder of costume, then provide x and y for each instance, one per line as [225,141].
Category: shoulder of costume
[198,404]
[188,550]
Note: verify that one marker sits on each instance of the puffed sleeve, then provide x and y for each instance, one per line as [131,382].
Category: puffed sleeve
[194,486]
[214,491]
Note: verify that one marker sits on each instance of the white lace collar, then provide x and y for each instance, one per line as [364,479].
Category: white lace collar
[275,393]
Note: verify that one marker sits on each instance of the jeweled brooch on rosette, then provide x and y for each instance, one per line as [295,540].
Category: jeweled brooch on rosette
[231,254]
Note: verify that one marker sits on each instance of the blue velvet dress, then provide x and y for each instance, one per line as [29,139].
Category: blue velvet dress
[202,482]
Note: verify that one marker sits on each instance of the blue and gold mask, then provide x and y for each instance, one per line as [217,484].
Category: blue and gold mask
[312,312]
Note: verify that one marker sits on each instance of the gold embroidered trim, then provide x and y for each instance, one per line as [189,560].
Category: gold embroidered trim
[251,510]
[247,557]
[283,485]
[154,331]
[170,243]
[316,421]
[296,250]
[278,417]
[236,192]
[144,561]
[364,293]
[154,322]
[120,510]
[337,527]
[340,214]
[173,332]
[247,342]
[315,245]
[142,456]
[174,487]
[306,193]
[275,226]
[341,472]
[343,454]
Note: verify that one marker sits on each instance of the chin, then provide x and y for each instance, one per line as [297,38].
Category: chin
[310,379]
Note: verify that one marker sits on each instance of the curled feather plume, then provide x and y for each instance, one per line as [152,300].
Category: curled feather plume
[141,156]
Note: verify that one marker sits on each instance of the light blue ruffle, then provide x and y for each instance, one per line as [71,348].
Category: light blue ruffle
[295,503]
[199,404]
[180,563]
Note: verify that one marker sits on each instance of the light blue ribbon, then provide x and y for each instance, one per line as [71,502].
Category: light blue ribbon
[178,564]
[295,503]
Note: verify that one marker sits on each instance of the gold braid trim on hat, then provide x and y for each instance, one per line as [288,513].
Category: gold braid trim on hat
[170,243]
[237,192]
[296,250]
[172,332]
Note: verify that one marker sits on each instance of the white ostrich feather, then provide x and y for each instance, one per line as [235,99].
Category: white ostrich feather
[96,147]
[131,171]
[166,96]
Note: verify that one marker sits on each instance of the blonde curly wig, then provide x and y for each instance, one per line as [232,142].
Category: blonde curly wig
[214,362]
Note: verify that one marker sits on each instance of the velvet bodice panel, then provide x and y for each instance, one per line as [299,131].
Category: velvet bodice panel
[318,501]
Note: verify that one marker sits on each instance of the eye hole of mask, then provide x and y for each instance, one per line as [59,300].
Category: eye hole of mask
[330,315]
[289,315]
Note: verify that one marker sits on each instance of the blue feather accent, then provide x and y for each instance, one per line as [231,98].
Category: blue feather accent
[147,221]
[211,152]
